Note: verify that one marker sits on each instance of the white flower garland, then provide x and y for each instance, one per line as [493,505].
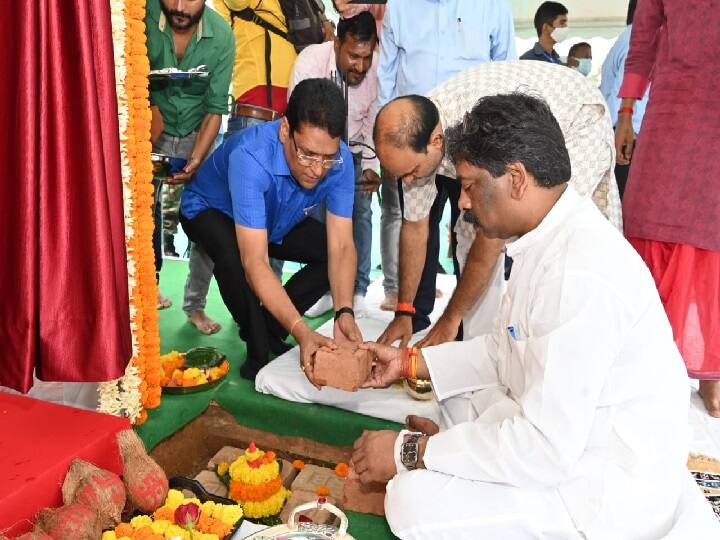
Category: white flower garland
[121,397]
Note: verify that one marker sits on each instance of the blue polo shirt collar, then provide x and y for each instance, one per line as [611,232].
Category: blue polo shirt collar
[280,165]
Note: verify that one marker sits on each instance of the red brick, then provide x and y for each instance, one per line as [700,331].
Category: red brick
[346,367]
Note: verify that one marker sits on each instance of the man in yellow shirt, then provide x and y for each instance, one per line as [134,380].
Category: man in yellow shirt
[250,81]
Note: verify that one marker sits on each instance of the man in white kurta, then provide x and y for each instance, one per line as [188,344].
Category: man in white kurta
[576,422]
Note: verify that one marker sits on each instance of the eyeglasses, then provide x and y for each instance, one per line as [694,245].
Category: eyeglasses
[309,161]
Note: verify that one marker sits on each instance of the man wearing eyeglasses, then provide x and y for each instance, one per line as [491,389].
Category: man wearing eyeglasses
[252,199]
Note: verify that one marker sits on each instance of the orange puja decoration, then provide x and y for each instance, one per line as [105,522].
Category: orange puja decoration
[342,469]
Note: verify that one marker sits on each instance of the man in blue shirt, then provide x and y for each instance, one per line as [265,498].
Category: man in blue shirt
[551,25]
[613,70]
[422,44]
[252,199]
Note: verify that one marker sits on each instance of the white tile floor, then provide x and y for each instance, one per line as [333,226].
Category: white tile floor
[705,430]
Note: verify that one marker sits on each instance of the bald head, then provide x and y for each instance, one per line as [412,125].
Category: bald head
[406,122]
[408,138]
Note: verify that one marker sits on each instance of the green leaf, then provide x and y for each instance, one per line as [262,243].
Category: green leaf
[203,357]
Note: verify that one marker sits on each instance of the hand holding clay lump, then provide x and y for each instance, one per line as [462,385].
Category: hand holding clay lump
[346,367]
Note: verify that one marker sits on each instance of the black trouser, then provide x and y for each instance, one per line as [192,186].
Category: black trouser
[425,296]
[157,229]
[621,176]
[305,243]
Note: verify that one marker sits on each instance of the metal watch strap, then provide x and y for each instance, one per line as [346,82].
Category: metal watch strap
[409,451]
[342,310]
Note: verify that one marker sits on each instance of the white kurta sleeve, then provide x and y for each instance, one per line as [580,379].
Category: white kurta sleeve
[462,366]
[576,322]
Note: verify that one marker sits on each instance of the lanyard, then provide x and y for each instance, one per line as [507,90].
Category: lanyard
[551,58]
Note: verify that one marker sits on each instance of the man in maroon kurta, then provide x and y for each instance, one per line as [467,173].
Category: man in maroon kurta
[671,207]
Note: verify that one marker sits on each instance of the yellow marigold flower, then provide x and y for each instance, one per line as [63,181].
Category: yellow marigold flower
[207,508]
[192,373]
[172,356]
[159,526]
[228,514]
[175,531]
[223,468]
[139,522]
[202,379]
[109,535]
[268,507]
[242,472]
[174,499]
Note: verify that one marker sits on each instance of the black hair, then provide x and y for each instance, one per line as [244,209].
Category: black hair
[578,46]
[415,127]
[547,13]
[631,11]
[362,27]
[510,128]
[319,103]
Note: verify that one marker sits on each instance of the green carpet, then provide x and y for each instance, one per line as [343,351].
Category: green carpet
[238,396]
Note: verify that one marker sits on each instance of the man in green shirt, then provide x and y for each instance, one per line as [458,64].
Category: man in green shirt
[186,115]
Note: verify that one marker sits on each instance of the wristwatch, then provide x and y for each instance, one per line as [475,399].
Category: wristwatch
[410,451]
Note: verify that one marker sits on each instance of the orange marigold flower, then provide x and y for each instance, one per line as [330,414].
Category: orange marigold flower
[298,464]
[323,491]
[342,469]
[254,493]
[165,512]
[124,529]
[139,421]
[143,533]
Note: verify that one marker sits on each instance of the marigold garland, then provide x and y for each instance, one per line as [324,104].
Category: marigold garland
[128,396]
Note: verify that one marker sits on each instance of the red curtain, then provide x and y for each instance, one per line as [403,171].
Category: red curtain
[63,275]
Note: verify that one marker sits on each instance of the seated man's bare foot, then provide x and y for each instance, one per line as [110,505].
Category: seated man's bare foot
[390,301]
[202,322]
[163,302]
[710,392]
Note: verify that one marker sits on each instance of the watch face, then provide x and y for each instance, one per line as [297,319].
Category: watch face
[409,454]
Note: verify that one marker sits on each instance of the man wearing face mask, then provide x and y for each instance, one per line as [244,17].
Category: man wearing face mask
[580,58]
[349,60]
[551,24]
